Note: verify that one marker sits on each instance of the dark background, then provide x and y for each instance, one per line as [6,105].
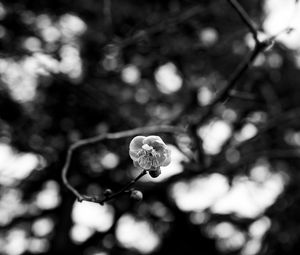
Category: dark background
[72,105]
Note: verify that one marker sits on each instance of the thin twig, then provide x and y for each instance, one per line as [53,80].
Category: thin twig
[109,136]
[245,17]
[161,26]
[95,199]
[242,95]
[125,188]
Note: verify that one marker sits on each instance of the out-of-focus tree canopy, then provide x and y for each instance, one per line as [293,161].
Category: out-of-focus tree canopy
[71,70]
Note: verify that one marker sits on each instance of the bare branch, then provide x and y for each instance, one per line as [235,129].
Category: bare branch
[172,20]
[125,188]
[245,17]
[240,70]
[242,95]
[259,47]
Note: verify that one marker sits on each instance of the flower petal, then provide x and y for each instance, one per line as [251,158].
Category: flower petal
[160,157]
[145,162]
[136,143]
[167,160]
[158,146]
[136,163]
[153,139]
[134,156]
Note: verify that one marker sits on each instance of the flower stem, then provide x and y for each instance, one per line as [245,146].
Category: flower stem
[121,191]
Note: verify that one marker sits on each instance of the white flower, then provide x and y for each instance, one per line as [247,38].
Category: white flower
[149,152]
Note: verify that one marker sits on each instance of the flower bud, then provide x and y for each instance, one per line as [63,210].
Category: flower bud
[107,192]
[136,195]
[155,174]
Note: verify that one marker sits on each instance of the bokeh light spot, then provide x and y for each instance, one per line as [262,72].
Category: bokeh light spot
[42,227]
[93,216]
[168,79]
[200,193]
[131,74]
[214,135]
[48,197]
[136,234]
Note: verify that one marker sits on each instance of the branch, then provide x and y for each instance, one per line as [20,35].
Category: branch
[111,136]
[285,119]
[245,18]
[242,95]
[243,67]
[124,189]
[161,26]
[237,74]
[282,120]
[240,70]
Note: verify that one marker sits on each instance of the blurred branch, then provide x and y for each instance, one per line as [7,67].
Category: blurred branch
[242,95]
[111,136]
[225,93]
[24,218]
[236,75]
[240,70]
[245,18]
[271,99]
[198,148]
[107,12]
[279,121]
[259,47]
[224,167]
[179,18]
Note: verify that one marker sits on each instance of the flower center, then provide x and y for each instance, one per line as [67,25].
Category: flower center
[148,157]
[147,147]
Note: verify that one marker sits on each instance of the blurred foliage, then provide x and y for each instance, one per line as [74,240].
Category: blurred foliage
[75,69]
